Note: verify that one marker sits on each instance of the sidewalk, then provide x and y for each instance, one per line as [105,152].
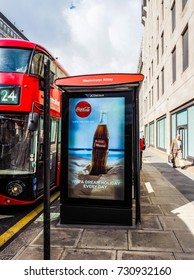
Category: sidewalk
[166,231]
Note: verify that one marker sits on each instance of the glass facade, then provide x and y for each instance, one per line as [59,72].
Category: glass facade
[182,118]
[161,133]
[173,131]
[183,123]
[152,134]
[146,135]
[190,131]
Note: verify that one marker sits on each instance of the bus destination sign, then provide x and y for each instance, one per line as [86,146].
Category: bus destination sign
[9,95]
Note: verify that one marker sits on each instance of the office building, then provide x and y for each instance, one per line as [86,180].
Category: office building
[167,62]
[9,30]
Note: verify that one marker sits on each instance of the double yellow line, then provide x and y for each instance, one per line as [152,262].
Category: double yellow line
[24,221]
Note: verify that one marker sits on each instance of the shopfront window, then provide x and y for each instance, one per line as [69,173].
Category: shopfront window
[191,131]
[161,133]
[146,134]
[152,134]
[182,118]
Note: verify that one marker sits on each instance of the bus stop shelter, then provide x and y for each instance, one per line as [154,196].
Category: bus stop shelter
[100,174]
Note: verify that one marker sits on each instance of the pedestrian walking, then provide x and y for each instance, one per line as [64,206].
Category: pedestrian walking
[176,152]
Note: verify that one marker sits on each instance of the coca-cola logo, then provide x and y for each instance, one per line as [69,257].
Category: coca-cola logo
[83,109]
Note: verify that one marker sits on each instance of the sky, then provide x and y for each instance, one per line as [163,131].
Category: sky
[87,36]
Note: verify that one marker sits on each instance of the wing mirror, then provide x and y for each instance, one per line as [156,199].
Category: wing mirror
[33,121]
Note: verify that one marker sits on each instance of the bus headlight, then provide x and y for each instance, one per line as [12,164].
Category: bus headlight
[15,188]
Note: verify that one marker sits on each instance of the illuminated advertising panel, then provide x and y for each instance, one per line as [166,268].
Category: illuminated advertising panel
[96,144]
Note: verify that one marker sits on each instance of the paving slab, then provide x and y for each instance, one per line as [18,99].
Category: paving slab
[151,210]
[166,192]
[62,237]
[37,253]
[186,210]
[168,209]
[186,239]
[150,222]
[104,239]
[184,256]
[130,255]
[164,241]
[167,200]
[177,223]
[162,185]
[145,200]
[88,254]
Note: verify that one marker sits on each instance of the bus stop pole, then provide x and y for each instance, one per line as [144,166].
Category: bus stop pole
[47,160]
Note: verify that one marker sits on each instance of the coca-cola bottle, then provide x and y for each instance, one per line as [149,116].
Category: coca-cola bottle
[100,147]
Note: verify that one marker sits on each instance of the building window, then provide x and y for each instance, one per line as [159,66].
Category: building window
[150,100]
[158,88]
[152,96]
[151,130]
[149,74]
[162,42]
[5,27]
[182,118]
[173,125]
[173,10]
[158,24]
[184,2]
[161,133]
[174,65]
[157,51]
[162,4]
[185,46]
[146,104]
[162,80]
[146,134]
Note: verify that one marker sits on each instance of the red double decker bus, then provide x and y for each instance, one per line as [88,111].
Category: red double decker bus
[21,121]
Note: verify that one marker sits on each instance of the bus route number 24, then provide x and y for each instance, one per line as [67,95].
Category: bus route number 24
[8,97]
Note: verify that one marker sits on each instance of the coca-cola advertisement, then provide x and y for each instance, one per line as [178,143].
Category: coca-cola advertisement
[96,147]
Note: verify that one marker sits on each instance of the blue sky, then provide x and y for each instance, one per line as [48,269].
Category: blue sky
[87,36]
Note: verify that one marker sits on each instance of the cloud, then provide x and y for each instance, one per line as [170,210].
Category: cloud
[93,37]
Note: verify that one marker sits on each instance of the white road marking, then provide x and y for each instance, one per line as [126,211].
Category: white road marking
[6,216]
[149,187]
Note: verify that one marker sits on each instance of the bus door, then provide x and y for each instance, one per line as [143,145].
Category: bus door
[53,153]
[40,169]
[53,150]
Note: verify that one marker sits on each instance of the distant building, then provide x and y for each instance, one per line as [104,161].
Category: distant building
[167,62]
[9,30]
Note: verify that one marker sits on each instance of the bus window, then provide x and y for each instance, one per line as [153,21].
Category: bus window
[59,132]
[60,73]
[53,130]
[37,66]
[52,72]
[14,60]
[17,145]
